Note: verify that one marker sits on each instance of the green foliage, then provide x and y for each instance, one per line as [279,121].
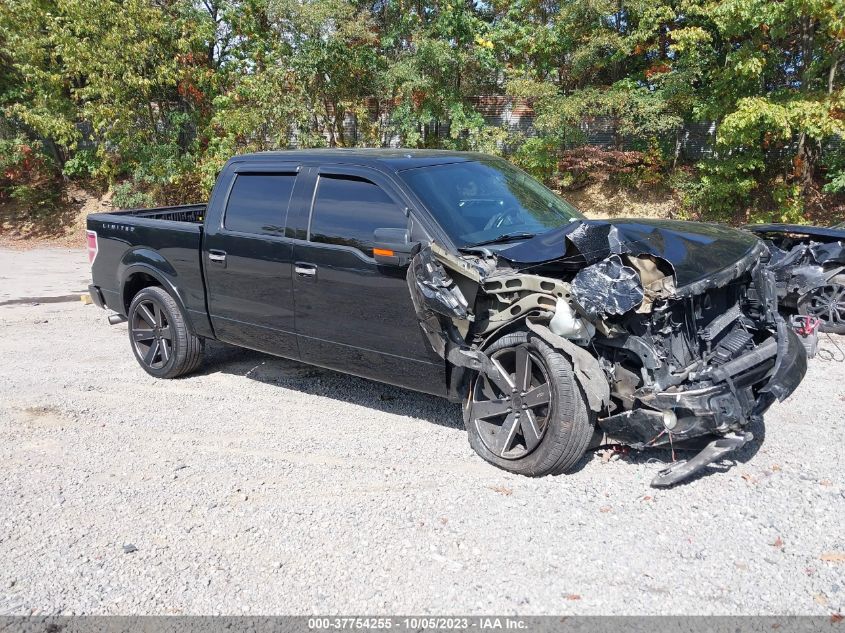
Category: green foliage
[28,177]
[538,156]
[834,164]
[127,196]
[789,205]
[721,187]
[157,96]
[83,165]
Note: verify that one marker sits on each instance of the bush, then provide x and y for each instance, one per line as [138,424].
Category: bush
[834,166]
[537,155]
[84,165]
[717,190]
[578,168]
[128,196]
[28,177]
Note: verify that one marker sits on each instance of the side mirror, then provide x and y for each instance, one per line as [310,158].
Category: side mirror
[392,247]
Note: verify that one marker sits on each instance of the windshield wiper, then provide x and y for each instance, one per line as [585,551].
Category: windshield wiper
[500,239]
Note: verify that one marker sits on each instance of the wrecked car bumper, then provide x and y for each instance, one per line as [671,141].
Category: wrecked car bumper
[741,392]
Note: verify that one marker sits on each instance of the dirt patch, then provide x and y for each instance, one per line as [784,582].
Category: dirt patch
[64,227]
[603,200]
[45,416]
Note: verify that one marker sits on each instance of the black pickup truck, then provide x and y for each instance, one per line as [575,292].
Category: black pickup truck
[458,275]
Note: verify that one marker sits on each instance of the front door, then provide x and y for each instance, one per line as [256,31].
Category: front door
[353,314]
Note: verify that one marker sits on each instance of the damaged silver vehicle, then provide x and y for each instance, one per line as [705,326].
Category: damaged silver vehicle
[809,267]
[558,329]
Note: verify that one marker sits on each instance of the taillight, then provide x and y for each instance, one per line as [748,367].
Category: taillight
[92,246]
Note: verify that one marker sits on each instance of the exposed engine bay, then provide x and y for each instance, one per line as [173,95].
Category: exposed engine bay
[663,357]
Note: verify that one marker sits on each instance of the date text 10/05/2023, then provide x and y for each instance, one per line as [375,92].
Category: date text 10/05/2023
[417,623]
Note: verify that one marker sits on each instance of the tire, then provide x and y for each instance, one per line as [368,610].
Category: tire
[159,335]
[828,304]
[551,439]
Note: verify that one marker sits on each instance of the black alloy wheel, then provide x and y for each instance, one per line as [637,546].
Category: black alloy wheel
[163,343]
[827,303]
[511,417]
[532,419]
[151,334]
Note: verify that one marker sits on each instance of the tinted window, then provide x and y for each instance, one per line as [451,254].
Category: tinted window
[258,203]
[348,210]
[480,200]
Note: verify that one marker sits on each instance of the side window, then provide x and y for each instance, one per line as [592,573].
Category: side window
[258,202]
[347,210]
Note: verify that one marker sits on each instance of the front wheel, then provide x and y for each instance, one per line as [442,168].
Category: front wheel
[827,303]
[534,422]
[161,340]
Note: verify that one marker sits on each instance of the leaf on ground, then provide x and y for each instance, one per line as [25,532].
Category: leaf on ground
[572,596]
[821,599]
[749,478]
[502,490]
[778,543]
[605,509]
[833,557]
[836,618]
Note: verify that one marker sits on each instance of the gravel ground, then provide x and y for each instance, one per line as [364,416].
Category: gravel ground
[265,486]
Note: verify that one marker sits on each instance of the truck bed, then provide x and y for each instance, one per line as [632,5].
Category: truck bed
[193,213]
[134,244]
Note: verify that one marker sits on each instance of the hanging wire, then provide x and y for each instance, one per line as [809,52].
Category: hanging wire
[829,355]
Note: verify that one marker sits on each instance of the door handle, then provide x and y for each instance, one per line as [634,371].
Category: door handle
[217,256]
[303,269]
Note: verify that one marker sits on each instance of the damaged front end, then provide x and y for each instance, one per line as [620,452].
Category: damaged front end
[665,354]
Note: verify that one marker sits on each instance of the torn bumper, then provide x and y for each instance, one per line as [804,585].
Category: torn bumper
[735,394]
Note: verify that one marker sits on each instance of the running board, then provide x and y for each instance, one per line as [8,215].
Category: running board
[715,450]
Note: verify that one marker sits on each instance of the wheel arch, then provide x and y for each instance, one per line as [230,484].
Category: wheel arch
[139,275]
[458,378]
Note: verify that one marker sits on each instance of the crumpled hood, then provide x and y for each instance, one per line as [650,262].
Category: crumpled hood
[695,250]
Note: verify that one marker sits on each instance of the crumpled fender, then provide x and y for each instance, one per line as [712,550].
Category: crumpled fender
[790,366]
[587,368]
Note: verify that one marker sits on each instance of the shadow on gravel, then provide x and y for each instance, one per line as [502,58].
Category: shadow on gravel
[291,374]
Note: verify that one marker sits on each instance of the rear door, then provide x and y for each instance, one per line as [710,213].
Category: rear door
[353,314]
[248,259]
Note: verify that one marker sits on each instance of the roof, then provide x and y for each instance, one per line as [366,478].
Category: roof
[393,159]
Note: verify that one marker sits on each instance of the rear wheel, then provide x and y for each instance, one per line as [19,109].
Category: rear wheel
[534,422]
[827,303]
[161,340]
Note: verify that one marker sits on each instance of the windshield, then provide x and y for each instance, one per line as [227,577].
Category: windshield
[484,200]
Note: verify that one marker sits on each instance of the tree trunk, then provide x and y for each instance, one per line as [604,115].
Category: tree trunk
[808,148]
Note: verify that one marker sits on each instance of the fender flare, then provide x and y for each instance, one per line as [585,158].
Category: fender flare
[153,264]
